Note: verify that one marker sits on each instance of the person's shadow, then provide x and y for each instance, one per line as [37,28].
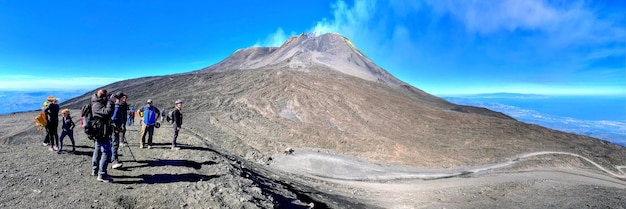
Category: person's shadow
[157,163]
[164,178]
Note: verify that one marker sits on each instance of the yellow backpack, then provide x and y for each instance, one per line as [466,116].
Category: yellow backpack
[40,121]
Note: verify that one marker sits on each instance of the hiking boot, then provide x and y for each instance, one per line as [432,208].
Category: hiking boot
[59,152]
[175,148]
[116,164]
[104,178]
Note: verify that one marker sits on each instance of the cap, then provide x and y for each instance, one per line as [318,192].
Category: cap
[178,101]
[149,101]
[45,103]
[119,94]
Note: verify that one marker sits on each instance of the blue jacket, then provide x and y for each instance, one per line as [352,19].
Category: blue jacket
[119,113]
[150,114]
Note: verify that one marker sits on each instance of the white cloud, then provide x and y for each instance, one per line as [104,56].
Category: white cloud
[275,39]
[348,21]
[572,23]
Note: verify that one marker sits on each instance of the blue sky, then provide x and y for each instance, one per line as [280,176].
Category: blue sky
[441,46]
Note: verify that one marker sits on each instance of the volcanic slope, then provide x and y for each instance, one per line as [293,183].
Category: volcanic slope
[323,93]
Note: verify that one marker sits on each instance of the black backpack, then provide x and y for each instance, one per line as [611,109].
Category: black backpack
[87,121]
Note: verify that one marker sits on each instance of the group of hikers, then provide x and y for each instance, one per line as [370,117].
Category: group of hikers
[104,120]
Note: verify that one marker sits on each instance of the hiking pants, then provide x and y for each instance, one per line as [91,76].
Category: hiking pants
[118,137]
[47,137]
[53,133]
[147,129]
[101,156]
[115,145]
[175,135]
[69,133]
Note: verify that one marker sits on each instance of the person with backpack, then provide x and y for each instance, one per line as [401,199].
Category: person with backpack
[67,130]
[101,110]
[150,116]
[119,126]
[176,118]
[52,116]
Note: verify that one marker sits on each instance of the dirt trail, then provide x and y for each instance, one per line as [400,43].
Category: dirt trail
[194,177]
[332,166]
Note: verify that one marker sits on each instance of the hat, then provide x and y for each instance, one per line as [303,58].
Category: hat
[50,98]
[178,101]
[119,94]
[65,111]
[149,101]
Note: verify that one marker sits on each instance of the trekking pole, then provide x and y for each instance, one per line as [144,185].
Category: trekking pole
[131,151]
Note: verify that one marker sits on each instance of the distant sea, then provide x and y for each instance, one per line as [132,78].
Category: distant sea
[21,101]
[602,117]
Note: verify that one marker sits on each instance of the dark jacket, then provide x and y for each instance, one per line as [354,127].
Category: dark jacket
[52,113]
[177,116]
[68,124]
[100,108]
[102,111]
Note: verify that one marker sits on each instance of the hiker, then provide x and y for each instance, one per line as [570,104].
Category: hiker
[118,121]
[131,116]
[177,118]
[101,110]
[163,116]
[67,130]
[150,115]
[46,140]
[52,116]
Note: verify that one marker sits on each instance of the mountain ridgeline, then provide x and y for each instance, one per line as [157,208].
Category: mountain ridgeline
[321,92]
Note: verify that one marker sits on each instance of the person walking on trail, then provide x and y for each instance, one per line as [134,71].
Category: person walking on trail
[101,110]
[131,116]
[52,116]
[150,116]
[177,118]
[118,121]
[67,130]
